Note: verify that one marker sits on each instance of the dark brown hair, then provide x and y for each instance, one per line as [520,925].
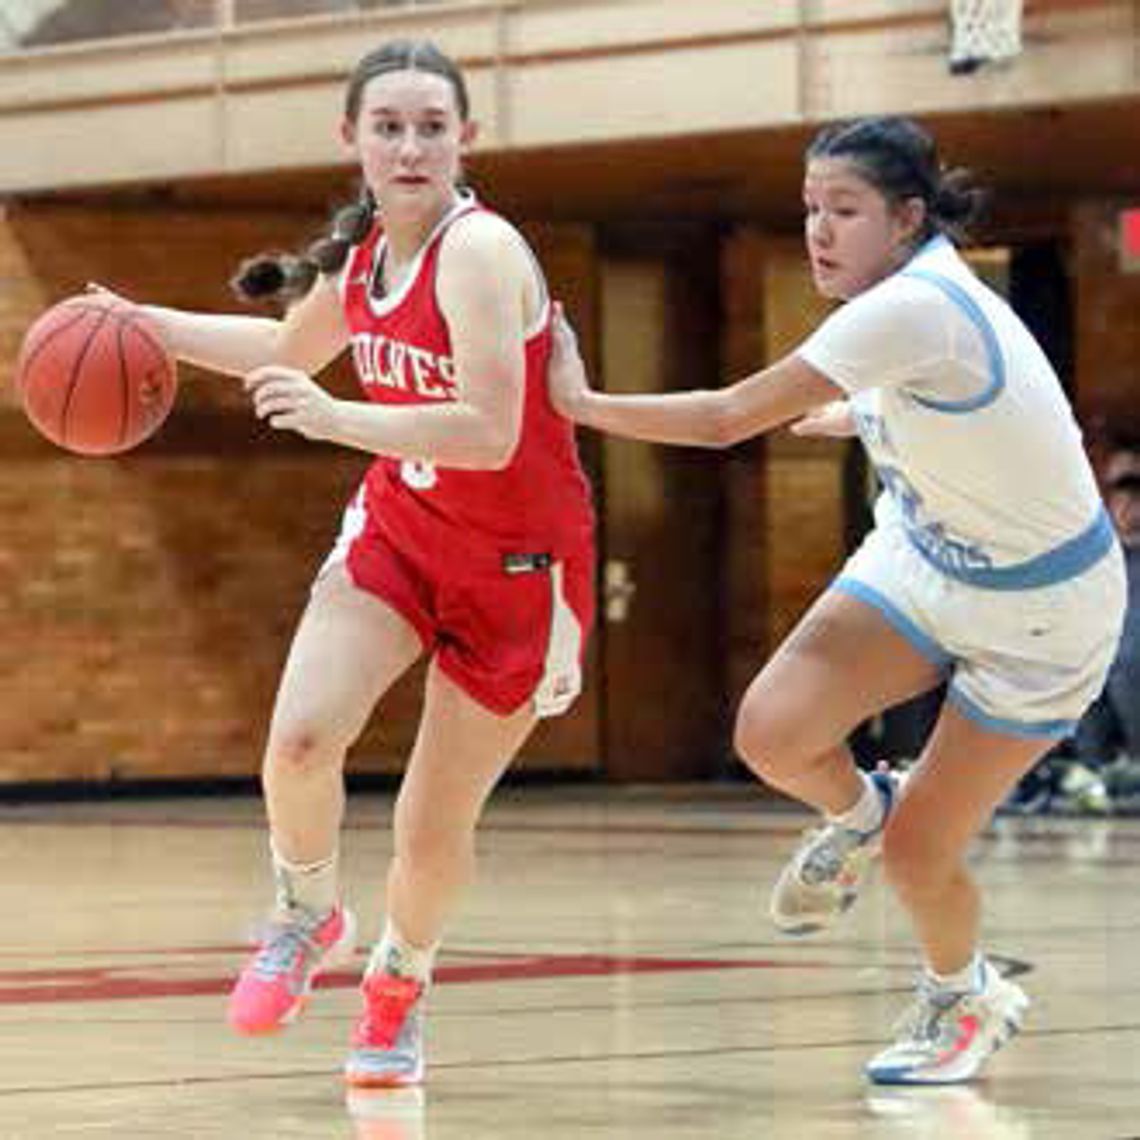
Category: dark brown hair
[900,159]
[286,276]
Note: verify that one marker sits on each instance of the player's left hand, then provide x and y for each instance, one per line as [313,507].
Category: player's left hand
[290,400]
[835,420]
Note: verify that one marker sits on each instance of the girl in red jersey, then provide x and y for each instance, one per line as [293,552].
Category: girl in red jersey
[470,539]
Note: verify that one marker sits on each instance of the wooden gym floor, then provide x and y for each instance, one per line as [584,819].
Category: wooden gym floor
[612,975]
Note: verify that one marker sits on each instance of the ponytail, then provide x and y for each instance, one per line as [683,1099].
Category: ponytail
[288,277]
[956,203]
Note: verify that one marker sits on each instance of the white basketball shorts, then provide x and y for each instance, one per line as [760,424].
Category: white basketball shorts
[1022,662]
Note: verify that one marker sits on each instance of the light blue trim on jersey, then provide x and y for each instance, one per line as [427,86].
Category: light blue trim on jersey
[1030,730]
[981,322]
[923,642]
[1057,565]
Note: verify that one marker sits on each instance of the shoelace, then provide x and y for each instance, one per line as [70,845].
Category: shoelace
[836,843]
[925,1020]
[285,944]
[826,860]
[388,1001]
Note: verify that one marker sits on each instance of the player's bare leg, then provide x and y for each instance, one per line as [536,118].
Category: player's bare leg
[964,1011]
[461,751]
[349,647]
[843,663]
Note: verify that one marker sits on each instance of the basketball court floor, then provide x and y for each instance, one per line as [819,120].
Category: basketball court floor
[612,975]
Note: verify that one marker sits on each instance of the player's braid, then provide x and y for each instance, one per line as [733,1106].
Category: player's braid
[289,276]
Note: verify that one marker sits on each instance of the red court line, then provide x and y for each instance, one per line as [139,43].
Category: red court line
[123,983]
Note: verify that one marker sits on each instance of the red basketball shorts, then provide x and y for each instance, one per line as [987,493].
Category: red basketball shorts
[507,629]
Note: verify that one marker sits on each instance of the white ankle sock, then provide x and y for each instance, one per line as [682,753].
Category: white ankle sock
[866,813]
[970,979]
[309,885]
[393,954]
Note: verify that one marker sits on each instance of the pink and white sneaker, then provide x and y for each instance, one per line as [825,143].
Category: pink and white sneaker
[388,1041]
[275,983]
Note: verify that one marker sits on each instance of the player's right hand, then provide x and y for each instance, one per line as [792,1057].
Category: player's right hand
[566,375]
[156,314]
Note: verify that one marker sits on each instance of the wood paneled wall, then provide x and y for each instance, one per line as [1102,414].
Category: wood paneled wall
[785,494]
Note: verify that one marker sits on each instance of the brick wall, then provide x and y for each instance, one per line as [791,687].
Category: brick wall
[147,602]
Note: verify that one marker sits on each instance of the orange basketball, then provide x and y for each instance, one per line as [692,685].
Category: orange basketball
[93,375]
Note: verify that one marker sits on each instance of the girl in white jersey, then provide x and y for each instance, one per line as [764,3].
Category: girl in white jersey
[469,542]
[991,566]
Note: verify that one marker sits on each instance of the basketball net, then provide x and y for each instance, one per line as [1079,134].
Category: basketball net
[983,31]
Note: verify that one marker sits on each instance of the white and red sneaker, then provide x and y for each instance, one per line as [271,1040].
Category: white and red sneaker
[945,1038]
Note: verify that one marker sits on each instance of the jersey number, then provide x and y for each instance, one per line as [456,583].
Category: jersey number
[418,474]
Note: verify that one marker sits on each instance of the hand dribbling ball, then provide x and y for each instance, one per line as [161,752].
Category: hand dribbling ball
[93,375]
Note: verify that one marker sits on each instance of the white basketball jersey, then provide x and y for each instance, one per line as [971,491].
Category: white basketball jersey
[962,415]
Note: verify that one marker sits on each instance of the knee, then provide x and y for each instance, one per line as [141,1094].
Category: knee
[302,750]
[767,739]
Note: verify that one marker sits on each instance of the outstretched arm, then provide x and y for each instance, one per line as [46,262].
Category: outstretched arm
[764,400]
[311,334]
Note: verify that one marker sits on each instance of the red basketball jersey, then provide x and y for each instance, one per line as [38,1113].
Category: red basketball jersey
[538,504]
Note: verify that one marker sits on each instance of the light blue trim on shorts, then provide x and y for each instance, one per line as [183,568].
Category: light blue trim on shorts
[923,642]
[1030,730]
[981,322]
[1061,563]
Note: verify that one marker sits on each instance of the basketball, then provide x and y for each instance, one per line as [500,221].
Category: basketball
[93,375]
